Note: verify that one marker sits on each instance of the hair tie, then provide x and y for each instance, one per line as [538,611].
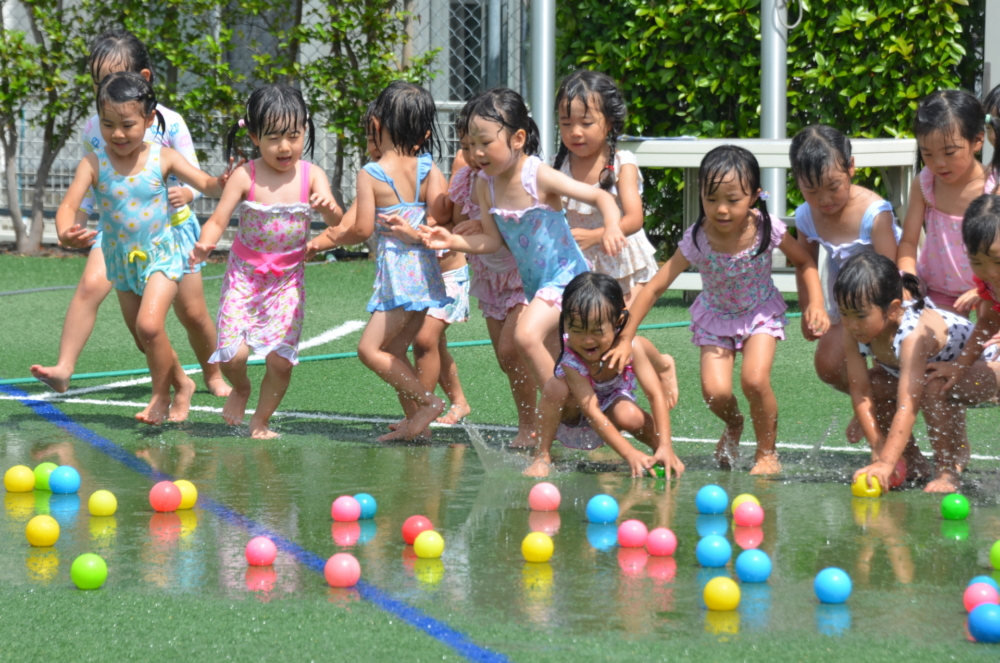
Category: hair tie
[609,167]
[764,195]
[242,123]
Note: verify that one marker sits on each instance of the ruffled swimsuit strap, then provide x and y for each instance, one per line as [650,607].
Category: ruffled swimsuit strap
[804,223]
[424,164]
[926,179]
[529,178]
[868,220]
[376,171]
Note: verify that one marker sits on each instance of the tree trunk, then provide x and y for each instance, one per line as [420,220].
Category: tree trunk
[337,181]
[9,139]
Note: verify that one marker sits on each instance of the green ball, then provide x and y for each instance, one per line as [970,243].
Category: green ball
[42,473]
[954,507]
[89,571]
[995,556]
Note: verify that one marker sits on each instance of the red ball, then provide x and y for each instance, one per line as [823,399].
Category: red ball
[342,570]
[748,514]
[544,497]
[261,551]
[346,534]
[413,526]
[978,593]
[898,475]
[345,509]
[165,496]
[748,537]
[661,542]
[632,534]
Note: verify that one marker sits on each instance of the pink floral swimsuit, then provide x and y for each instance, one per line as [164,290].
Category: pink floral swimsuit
[263,292]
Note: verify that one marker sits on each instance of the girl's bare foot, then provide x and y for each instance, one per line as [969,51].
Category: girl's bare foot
[182,400]
[399,425]
[218,387]
[417,425]
[156,412]
[854,431]
[54,377]
[539,469]
[455,414]
[727,450]
[236,406]
[947,481]
[259,430]
[523,440]
[766,463]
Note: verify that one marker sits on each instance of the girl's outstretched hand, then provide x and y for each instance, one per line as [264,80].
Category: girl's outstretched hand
[469,227]
[435,237]
[945,370]
[670,462]
[880,470]
[587,237]
[397,227]
[78,237]
[224,177]
[179,196]
[816,318]
[613,240]
[639,463]
[619,355]
[319,201]
[967,301]
[200,253]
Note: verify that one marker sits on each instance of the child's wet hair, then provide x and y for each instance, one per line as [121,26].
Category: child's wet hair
[816,150]
[991,105]
[273,109]
[981,224]
[718,166]
[583,86]
[592,297]
[949,112]
[126,87]
[506,107]
[118,48]
[870,279]
[408,114]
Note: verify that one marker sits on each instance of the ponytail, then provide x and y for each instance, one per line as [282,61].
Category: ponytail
[912,284]
[607,177]
[533,141]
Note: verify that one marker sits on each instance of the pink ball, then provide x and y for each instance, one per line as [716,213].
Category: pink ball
[544,497]
[165,496]
[979,593]
[748,514]
[342,570]
[661,542]
[632,534]
[345,509]
[261,551]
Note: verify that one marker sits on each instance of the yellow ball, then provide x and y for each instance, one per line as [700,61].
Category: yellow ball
[429,545]
[19,479]
[189,494]
[537,547]
[745,497]
[722,594]
[860,487]
[42,531]
[102,503]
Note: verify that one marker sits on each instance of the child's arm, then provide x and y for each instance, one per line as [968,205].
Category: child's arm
[364,211]
[913,224]
[861,393]
[490,241]
[659,407]
[633,216]
[987,325]
[69,231]
[884,236]
[236,189]
[814,312]
[172,163]
[551,181]
[811,248]
[439,203]
[618,356]
[332,237]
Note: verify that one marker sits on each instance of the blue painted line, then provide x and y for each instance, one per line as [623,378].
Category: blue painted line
[412,616]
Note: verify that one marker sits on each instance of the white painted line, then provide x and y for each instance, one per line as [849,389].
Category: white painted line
[328,336]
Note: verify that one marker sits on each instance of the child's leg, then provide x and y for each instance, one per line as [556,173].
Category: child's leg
[755,378]
[382,328]
[522,383]
[193,314]
[885,388]
[717,390]
[552,408]
[272,390]
[450,384]
[665,369]
[536,331]
[81,316]
[235,371]
[830,361]
[399,347]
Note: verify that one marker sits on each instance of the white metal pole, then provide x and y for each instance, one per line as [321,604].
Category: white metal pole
[774,93]
[991,58]
[543,72]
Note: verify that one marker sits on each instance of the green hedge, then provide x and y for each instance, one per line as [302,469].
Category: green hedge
[693,68]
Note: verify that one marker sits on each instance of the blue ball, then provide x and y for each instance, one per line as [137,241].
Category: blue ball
[711,499]
[602,509]
[984,623]
[832,585]
[713,551]
[368,506]
[753,566]
[602,537]
[706,524]
[64,480]
[988,580]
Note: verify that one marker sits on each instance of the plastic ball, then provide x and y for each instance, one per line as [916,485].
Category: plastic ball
[832,585]
[661,542]
[19,479]
[602,509]
[978,593]
[995,556]
[428,545]
[753,566]
[740,499]
[369,507]
[748,537]
[537,547]
[345,509]
[748,514]
[632,534]
[898,476]
[954,507]
[413,526]
[713,551]
[64,480]
[42,531]
[544,497]
[721,594]
[342,570]
[261,551]
[988,580]
[860,487]
[189,494]
[42,473]
[165,497]
[711,499]
[89,571]
[102,503]
[984,623]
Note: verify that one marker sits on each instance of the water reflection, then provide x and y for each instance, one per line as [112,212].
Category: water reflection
[833,620]
[42,564]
